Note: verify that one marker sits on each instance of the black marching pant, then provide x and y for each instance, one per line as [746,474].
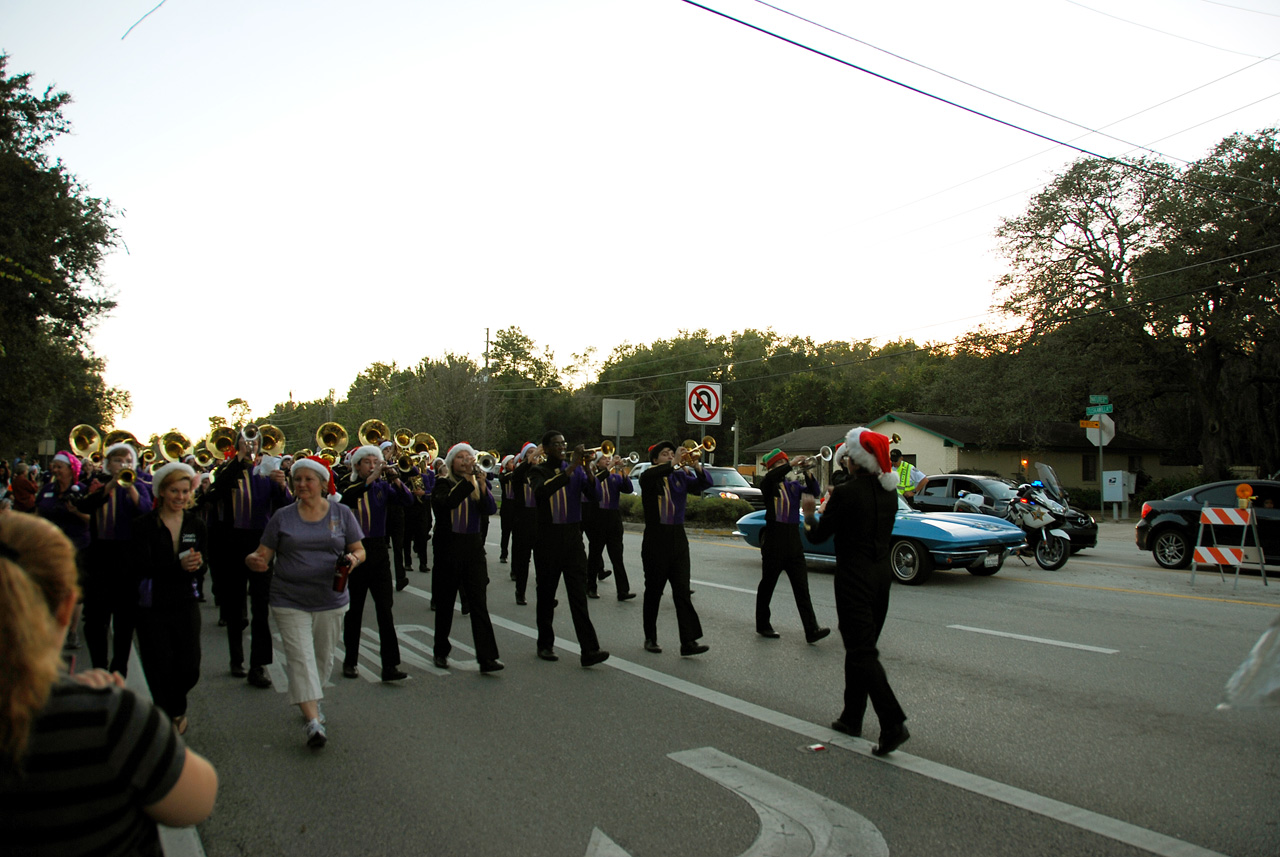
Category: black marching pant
[862,603]
[110,595]
[664,554]
[559,552]
[235,579]
[169,647]
[396,536]
[462,568]
[371,577]
[505,519]
[605,533]
[524,528]
[417,531]
[783,551]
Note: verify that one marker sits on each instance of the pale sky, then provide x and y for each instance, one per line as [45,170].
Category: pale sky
[381,181]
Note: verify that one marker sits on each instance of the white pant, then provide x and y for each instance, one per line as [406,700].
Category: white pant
[309,640]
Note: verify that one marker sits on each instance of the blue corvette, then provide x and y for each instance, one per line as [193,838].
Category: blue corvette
[922,542]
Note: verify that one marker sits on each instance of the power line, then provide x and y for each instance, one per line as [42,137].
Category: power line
[1161,32]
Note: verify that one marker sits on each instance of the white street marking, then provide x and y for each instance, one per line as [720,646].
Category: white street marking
[1064,645]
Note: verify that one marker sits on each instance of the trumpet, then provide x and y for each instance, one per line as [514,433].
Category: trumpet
[126,476]
[333,437]
[808,462]
[487,461]
[691,451]
[373,432]
[404,463]
[606,448]
[272,440]
[895,438]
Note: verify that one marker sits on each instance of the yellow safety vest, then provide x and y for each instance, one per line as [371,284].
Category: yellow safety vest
[904,476]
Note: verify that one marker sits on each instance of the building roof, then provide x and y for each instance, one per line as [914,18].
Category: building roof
[962,432]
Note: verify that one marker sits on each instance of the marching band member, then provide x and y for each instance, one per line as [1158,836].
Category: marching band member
[396,541]
[170,542]
[664,552]
[247,501]
[507,510]
[560,486]
[59,501]
[781,548]
[604,530]
[371,498]
[524,521]
[459,498]
[417,518]
[111,575]
[315,542]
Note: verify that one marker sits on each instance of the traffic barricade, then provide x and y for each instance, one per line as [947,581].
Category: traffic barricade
[1212,519]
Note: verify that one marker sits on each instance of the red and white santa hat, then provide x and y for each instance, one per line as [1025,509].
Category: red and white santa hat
[870,451]
[526,451]
[460,446]
[364,452]
[321,468]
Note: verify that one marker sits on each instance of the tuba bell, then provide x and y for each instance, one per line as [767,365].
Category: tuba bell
[86,441]
[332,436]
[175,446]
[272,440]
[403,439]
[121,436]
[222,442]
[373,432]
[424,443]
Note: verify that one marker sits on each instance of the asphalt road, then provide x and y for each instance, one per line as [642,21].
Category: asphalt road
[1069,712]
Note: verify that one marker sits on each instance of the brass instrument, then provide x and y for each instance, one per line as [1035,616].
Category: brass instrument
[222,442]
[175,446]
[403,438]
[203,456]
[252,434]
[154,467]
[86,441]
[333,437]
[632,458]
[808,462]
[487,461]
[121,436]
[329,455]
[302,453]
[373,432]
[126,476]
[272,440]
[691,451]
[404,463]
[423,443]
[606,448]
[894,438]
[147,456]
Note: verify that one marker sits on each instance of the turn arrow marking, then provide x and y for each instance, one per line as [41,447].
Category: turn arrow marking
[794,822]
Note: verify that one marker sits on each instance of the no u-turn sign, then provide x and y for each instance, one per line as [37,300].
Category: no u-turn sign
[702,403]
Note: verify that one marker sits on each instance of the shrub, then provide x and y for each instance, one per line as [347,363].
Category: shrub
[1158,489]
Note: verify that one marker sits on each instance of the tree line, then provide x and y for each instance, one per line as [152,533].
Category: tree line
[1152,283]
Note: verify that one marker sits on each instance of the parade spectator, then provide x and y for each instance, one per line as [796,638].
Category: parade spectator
[23,488]
[58,500]
[308,539]
[86,766]
[170,543]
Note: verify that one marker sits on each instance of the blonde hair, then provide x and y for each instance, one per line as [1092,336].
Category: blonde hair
[173,476]
[37,575]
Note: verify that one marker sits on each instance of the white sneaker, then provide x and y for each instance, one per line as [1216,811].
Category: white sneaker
[316,738]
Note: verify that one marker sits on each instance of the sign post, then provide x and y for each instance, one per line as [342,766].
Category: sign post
[1100,428]
[617,418]
[702,403]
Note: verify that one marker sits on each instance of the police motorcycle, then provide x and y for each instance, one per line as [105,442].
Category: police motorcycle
[1040,508]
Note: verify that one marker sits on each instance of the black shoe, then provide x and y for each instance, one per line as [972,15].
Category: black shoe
[466,610]
[520,599]
[626,596]
[491,666]
[555,602]
[502,558]
[441,661]
[604,575]
[512,575]
[591,593]
[239,671]
[652,646]
[258,677]
[768,632]
[394,675]
[841,726]
[688,649]
[817,635]
[222,623]
[891,739]
[352,671]
[401,584]
[548,654]
[590,659]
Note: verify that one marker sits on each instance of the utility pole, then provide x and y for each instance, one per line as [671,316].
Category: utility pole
[484,394]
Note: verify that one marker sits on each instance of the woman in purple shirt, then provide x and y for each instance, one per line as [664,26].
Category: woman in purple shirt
[308,540]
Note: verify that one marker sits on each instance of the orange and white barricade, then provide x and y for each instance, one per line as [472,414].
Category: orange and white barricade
[1213,518]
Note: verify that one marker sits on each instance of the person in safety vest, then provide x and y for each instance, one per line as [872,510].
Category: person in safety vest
[909,476]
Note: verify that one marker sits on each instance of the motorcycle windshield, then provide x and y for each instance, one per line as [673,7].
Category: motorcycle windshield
[1050,481]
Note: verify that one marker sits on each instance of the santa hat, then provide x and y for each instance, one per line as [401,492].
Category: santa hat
[776,456]
[158,478]
[385,445]
[71,461]
[870,451]
[656,449]
[526,451]
[839,454]
[507,459]
[461,446]
[123,447]
[363,453]
[321,468]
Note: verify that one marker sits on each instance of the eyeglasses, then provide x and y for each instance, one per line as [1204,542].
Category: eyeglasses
[559,443]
